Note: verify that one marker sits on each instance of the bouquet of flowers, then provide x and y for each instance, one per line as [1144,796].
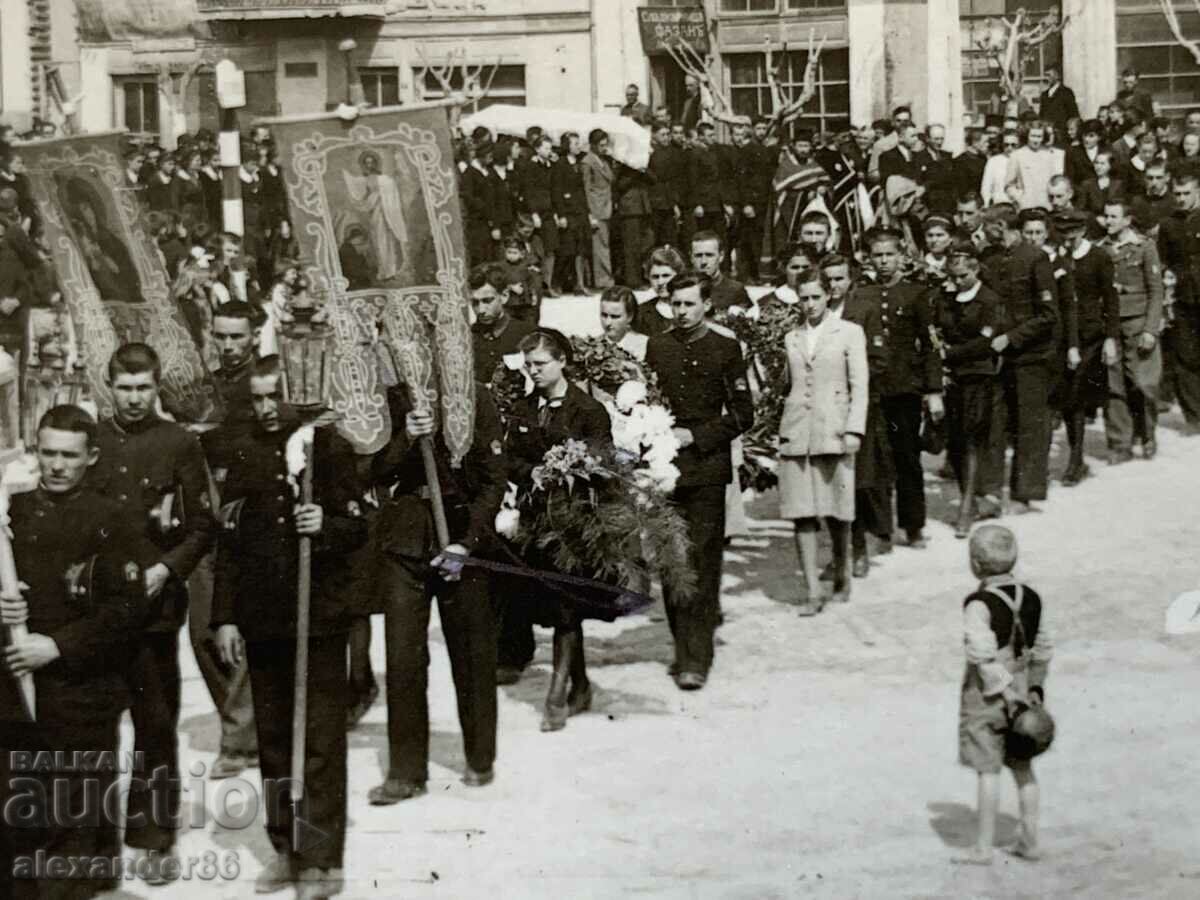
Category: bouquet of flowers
[593,513]
[765,355]
[600,364]
[509,384]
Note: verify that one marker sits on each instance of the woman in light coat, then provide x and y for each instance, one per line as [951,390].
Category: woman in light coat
[824,419]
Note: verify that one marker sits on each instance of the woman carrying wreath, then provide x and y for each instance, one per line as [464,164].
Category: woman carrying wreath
[824,418]
[556,411]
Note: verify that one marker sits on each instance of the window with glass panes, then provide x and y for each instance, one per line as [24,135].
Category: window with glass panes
[981,80]
[381,86]
[137,105]
[828,110]
[508,86]
[737,6]
[1145,43]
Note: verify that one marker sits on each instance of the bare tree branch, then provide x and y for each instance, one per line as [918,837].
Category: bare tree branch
[808,89]
[1192,46]
[1009,44]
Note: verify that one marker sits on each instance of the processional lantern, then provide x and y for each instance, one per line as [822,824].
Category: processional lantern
[306,351]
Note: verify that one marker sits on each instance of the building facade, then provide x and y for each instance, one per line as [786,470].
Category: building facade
[39,60]
[580,55]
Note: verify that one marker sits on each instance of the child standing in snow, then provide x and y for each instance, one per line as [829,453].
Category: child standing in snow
[1008,651]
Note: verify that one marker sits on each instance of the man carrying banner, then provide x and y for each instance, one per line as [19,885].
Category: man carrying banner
[415,570]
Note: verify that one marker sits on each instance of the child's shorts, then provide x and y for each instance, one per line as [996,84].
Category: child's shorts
[982,723]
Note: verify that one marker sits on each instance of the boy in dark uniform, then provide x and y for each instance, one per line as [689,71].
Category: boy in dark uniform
[254,614]
[236,336]
[1093,332]
[1179,247]
[495,333]
[703,376]
[83,609]
[154,471]
[968,319]
[415,571]
[1024,279]
[913,373]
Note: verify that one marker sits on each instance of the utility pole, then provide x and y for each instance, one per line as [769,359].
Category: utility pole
[231,96]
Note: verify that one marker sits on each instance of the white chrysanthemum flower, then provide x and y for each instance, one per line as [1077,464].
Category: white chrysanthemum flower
[508,522]
[629,395]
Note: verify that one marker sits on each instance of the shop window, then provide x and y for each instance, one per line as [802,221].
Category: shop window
[507,87]
[981,80]
[828,110]
[1145,43]
[137,106]
[381,86]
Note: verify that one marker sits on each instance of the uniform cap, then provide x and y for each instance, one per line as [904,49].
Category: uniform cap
[1070,219]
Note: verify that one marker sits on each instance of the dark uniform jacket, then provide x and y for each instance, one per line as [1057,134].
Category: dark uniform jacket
[569,198]
[893,162]
[668,178]
[708,182]
[491,347]
[530,432]
[472,492]
[1179,247]
[1023,276]
[967,329]
[500,196]
[258,549]
[704,381]
[537,187]
[968,173]
[154,471]
[1096,313]
[913,365]
[753,170]
[475,190]
[727,292]
[95,621]
[631,191]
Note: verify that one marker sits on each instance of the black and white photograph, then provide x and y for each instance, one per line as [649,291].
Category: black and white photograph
[643,448]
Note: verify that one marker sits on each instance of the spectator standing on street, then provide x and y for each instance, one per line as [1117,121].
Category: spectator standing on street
[597,170]
[1030,169]
[1057,105]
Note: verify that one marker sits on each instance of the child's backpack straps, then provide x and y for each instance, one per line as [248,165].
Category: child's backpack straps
[1017,640]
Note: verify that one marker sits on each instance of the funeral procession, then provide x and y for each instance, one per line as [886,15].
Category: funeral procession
[599,448]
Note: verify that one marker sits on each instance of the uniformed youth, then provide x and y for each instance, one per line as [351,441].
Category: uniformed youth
[414,571]
[703,376]
[495,334]
[1132,412]
[83,608]
[1179,249]
[235,334]
[1093,334]
[254,613]
[912,375]
[1024,278]
[154,471]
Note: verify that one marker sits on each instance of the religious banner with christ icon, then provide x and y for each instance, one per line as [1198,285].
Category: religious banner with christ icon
[374,207]
[109,271]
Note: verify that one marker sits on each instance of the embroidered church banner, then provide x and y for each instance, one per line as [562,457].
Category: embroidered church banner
[109,271]
[374,207]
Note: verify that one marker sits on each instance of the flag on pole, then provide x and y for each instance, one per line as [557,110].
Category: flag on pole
[374,205]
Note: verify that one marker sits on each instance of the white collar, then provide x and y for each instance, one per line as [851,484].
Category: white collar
[246,176]
[209,171]
[1092,152]
[501,171]
[479,167]
[1051,91]
[970,294]
[1082,250]
[1137,163]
